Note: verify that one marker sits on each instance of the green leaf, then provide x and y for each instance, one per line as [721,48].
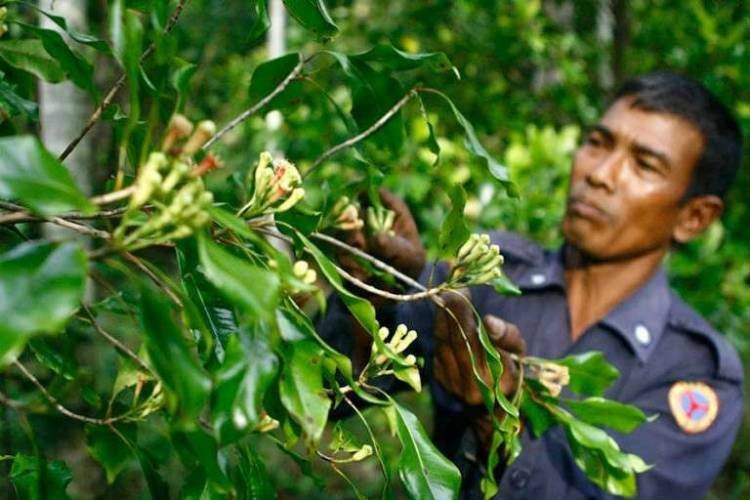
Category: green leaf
[454,231]
[180,81]
[432,142]
[109,449]
[471,141]
[262,21]
[187,385]
[197,447]
[313,16]
[90,40]
[54,358]
[251,288]
[373,94]
[590,374]
[39,479]
[504,286]
[360,308]
[78,69]
[389,57]
[293,323]
[425,472]
[343,440]
[217,315]
[41,286]
[269,75]
[604,412]
[409,375]
[249,368]
[14,104]
[257,483]
[29,55]
[30,174]
[301,387]
[537,415]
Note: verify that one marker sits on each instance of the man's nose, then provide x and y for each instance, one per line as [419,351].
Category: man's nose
[604,173]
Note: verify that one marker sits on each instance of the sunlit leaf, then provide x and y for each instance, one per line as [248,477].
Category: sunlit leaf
[590,373]
[395,59]
[249,287]
[109,449]
[248,369]
[301,387]
[31,175]
[607,413]
[41,286]
[257,483]
[425,472]
[29,55]
[313,16]
[454,231]
[187,385]
[471,141]
[78,69]
[35,479]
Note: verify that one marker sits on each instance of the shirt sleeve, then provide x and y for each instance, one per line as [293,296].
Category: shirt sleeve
[685,462]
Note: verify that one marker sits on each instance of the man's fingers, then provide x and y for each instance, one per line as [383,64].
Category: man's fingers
[398,251]
[504,335]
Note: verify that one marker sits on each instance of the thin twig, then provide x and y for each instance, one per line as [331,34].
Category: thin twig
[255,108]
[23,216]
[386,294]
[11,403]
[423,294]
[56,404]
[373,260]
[97,114]
[162,286]
[363,135]
[115,342]
[80,228]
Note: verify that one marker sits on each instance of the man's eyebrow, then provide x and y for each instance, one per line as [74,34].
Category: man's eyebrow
[646,150]
[609,136]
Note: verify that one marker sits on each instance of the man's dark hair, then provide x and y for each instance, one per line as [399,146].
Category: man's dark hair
[666,92]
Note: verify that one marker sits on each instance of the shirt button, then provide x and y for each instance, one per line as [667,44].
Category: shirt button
[519,479]
[538,279]
[642,334]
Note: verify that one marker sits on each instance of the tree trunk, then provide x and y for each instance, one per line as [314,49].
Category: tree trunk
[64,108]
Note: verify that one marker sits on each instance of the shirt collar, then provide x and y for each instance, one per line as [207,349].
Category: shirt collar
[639,320]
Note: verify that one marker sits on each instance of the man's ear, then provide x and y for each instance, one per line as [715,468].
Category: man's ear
[695,216]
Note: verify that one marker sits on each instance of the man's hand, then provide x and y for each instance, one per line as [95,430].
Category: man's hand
[452,361]
[401,249]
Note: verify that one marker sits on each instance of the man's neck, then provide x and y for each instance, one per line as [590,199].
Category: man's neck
[596,287]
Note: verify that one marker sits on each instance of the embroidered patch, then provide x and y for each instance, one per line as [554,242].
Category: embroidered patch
[694,406]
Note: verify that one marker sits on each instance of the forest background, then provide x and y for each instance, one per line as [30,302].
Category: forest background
[534,74]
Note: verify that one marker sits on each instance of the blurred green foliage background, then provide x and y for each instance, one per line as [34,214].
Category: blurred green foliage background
[534,75]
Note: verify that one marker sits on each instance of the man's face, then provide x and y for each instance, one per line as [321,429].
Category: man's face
[627,182]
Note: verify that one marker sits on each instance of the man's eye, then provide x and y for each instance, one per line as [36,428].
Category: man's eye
[645,165]
[593,141]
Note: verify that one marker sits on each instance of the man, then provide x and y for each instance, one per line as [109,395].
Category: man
[650,175]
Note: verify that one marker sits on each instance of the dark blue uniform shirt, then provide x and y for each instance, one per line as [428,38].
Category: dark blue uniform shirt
[652,337]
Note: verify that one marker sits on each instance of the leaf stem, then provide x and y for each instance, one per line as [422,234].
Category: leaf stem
[59,407]
[115,342]
[151,274]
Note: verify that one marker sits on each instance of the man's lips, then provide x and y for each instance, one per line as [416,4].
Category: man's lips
[586,209]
